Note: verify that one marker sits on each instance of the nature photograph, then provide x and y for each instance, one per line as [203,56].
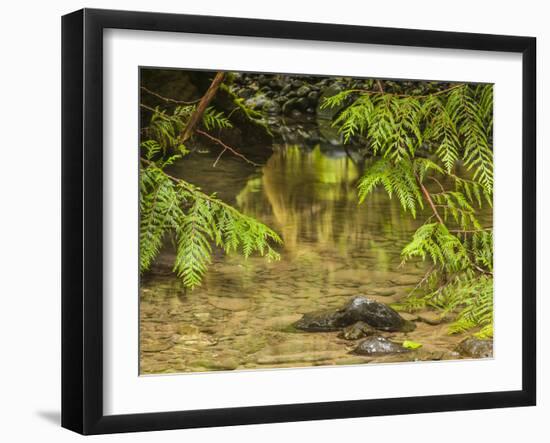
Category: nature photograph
[291,221]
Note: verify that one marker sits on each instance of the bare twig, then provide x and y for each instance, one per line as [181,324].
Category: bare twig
[189,187]
[439,183]
[429,200]
[426,275]
[218,158]
[467,231]
[154,110]
[169,100]
[483,271]
[433,94]
[211,137]
[226,147]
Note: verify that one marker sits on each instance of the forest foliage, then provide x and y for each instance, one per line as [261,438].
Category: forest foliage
[433,152]
[419,147]
[171,208]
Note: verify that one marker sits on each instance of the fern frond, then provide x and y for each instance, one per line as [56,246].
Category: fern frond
[471,119]
[159,212]
[468,297]
[354,119]
[456,206]
[442,131]
[193,244]
[336,99]
[434,240]
[213,119]
[164,128]
[198,221]
[397,178]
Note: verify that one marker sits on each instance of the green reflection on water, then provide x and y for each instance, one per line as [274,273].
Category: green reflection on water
[333,249]
[310,198]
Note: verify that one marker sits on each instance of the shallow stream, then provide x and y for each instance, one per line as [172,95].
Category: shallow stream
[241,316]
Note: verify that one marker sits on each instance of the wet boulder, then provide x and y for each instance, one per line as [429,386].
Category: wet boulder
[378,346]
[301,103]
[358,309]
[303,91]
[321,321]
[376,314]
[289,106]
[256,102]
[245,93]
[271,107]
[475,348]
[356,331]
[275,84]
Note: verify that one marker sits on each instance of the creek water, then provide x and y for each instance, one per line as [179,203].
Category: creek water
[334,249]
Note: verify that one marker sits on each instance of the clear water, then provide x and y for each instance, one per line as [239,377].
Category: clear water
[333,249]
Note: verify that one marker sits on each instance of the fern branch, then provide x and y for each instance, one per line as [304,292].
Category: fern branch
[170,204]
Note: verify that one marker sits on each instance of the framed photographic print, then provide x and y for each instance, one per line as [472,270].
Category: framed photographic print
[270,221]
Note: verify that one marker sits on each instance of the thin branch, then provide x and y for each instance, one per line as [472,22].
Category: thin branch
[439,183]
[433,94]
[218,157]
[211,137]
[170,100]
[429,199]
[470,231]
[483,271]
[161,115]
[426,275]
[201,107]
[190,187]
[226,147]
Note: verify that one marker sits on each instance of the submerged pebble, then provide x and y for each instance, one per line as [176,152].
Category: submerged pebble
[378,345]
[356,331]
[475,348]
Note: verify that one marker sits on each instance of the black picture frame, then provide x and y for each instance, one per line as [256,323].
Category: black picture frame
[82,218]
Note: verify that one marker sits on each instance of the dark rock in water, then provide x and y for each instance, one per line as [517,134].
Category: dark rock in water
[301,104]
[356,331]
[263,80]
[314,139]
[286,89]
[321,321]
[375,314]
[303,91]
[256,102]
[271,107]
[289,106]
[313,97]
[475,348]
[378,345]
[275,84]
[245,93]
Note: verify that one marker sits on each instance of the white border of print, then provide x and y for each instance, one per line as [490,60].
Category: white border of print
[126,392]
